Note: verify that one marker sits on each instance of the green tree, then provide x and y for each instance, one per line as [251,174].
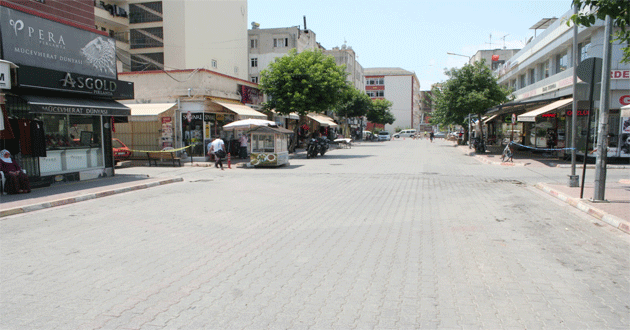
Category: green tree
[619,11]
[355,104]
[473,89]
[306,82]
[379,112]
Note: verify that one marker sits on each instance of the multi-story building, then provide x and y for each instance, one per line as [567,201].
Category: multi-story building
[177,35]
[265,45]
[399,86]
[347,56]
[541,75]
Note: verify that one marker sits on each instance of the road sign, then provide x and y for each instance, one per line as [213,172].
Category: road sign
[590,70]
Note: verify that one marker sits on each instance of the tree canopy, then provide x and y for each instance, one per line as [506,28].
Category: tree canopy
[470,90]
[619,11]
[379,113]
[355,103]
[306,82]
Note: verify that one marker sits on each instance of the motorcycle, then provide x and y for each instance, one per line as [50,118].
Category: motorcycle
[317,146]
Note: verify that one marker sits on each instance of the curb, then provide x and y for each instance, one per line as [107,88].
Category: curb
[72,200]
[610,219]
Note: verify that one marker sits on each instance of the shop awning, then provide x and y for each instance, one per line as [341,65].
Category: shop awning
[149,109]
[531,116]
[75,106]
[292,115]
[242,111]
[625,111]
[322,120]
[487,119]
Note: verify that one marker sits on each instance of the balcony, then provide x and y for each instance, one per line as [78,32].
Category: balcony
[110,15]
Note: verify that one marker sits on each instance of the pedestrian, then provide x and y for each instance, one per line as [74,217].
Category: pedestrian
[217,148]
[243,151]
[16,180]
[431,136]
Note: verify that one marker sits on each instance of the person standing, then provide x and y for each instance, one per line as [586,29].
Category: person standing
[431,136]
[217,148]
[243,142]
[16,180]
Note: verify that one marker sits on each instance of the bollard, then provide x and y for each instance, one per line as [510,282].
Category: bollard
[229,161]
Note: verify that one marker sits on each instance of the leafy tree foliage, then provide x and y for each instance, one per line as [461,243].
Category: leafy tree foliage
[306,82]
[470,90]
[379,112]
[619,11]
[355,103]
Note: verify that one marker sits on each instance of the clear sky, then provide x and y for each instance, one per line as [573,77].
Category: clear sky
[412,34]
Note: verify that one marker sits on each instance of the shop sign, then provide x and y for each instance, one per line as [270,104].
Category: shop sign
[624,100]
[579,112]
[38,42]
[32,77]
[619,74]
[5,76]
[75,110]
[192,116]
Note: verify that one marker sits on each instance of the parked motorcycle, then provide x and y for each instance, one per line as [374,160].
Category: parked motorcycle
[316,146]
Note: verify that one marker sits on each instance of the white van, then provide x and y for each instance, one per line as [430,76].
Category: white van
[405,133]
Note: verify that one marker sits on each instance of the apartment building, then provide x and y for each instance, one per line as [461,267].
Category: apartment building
[345,55]
[541,75]
[177,35]
[265,45]
[399,86]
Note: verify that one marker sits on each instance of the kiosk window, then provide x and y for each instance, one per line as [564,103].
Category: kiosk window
[70,131]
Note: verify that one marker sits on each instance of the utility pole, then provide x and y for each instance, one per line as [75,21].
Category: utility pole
[574,180]
[604,103]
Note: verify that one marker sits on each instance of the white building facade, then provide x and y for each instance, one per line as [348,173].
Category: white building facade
[541,75]
[265,45]
[172,34]
[399,86]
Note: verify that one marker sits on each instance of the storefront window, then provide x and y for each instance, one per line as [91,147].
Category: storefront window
[67,131]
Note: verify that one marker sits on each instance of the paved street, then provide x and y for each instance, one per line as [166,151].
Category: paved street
[401,234]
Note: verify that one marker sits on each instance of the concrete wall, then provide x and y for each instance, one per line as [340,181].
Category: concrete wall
[398,91]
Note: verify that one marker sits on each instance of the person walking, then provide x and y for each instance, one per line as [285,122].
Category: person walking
[431,136]
[217,148]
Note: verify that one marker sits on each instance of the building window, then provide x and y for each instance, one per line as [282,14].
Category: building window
[281,42]
[146,38]
[532,76]
[543,70]
[214,64]
[370,93]
[145,12]
[379,94]
[583,48]
[375,81]
[562,62]
[521,81]
[253,43]
[254,62]
[255,80]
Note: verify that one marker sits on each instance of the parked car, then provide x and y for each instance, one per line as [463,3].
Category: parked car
[405,133]
[384,136]
[121,152]
[439,135]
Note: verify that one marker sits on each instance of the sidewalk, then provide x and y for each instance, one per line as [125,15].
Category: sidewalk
[68,193]
[615,210]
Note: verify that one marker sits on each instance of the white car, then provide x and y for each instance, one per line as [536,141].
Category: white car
[405,133]
[384,136]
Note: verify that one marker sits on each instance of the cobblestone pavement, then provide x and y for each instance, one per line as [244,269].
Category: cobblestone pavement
[395,235]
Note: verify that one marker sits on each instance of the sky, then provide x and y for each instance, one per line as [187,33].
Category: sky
[412,34]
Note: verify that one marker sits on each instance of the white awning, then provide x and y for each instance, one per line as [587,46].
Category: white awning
[625,111]
[149,109]
[531,116]
[486,120]
[322,119]
[243,111]
[292,115]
